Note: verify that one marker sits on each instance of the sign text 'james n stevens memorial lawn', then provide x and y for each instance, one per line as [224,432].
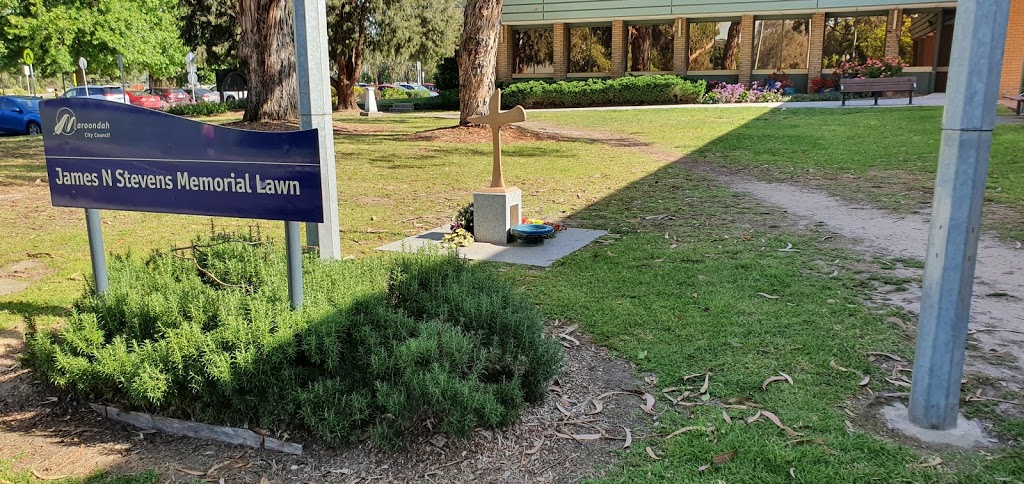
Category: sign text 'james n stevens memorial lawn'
[106,155]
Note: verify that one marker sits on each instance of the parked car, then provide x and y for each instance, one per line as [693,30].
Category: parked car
[416,87]
[144,100]
[170,95]
[20,115]
[104,93]
[205,95]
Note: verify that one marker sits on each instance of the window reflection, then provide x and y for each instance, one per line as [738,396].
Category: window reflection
[533,51]
[714,46]
[650,48]
[780,44]
[590,49]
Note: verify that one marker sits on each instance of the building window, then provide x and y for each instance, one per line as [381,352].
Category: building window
[780,44]
[714,46]
[650,48]
[853,39]
[533,51]
[590,49]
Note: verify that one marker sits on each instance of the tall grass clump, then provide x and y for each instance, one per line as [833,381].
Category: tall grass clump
[380,346]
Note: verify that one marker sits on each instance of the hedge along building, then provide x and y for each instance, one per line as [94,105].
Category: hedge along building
[735,40]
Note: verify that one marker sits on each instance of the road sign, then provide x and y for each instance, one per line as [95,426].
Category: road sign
[120,61]
[192,68]
[193,79]
[27,70]
[27,57]
[190,58]
[83,63]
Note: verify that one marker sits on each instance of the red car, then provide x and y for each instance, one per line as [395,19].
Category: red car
[144,100]
[171,95]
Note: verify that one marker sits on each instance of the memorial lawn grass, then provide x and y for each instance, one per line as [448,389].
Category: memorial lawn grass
[691,281]
[885,156]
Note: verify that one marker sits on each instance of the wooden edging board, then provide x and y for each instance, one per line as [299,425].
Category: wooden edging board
[197,430]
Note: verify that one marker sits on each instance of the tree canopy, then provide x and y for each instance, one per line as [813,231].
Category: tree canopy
[210,28]
[145,32]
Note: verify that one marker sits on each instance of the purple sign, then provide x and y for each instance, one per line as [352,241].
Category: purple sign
[107,155]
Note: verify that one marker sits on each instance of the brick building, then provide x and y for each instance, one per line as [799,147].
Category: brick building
[735,40]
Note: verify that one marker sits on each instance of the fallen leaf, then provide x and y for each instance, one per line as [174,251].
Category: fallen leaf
[535,449]
[806,441]
[586,437]
[789,248]
[669,389]
[727,418]
[887,355]
[899,383]
[787,377]
[563,410]
[753,419]
[570,338]
[707,382]
[606,395]
[217,466]
[865,381]
[650,452]
[835,366]
[849,426]
[935,462]
[629,438]
[778,423]
[792,472]
[684,430]
[769,381]
[649,408]
[598,406]
[190,472]
[723,458]
[345,471]
[704,467]
[46,478]
[767,296]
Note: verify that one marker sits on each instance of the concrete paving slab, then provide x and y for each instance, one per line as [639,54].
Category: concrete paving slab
[567,242]
[968,434]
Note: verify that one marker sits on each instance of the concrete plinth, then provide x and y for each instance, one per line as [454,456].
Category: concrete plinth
[495,211]
[370,103]
[967,434]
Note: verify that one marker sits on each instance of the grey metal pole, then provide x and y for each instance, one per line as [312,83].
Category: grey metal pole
[979,40]
[96,252]
[293,245]
[315,113]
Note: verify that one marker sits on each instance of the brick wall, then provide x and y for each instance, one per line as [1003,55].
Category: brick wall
[503,66]
[681,47]
[1013,59]
[816,45]
[561,42]
[746,64]
[620,37]
[893,31]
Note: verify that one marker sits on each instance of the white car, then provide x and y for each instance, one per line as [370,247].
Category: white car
[105,93]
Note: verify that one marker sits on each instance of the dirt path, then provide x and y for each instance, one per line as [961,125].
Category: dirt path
[997,310]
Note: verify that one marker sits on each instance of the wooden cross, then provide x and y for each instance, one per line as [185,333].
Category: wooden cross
[496,119]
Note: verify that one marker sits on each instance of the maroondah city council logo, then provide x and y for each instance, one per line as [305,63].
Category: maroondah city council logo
[66,122]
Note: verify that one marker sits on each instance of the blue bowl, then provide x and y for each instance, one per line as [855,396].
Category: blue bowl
[531,234]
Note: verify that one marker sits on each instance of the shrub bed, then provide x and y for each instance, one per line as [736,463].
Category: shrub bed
[624,91]
[199,109]
[380,346]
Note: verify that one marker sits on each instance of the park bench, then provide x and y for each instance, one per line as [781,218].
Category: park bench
[877,86]
[1017,98]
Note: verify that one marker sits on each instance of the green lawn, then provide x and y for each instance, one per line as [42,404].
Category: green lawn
[886,156]
[679,289]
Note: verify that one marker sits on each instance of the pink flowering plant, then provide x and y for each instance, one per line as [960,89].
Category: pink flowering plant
[872,68]
[767,92]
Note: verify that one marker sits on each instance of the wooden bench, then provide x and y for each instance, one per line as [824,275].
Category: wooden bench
[877,86]
[1017,98]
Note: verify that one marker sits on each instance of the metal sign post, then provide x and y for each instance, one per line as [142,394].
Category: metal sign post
[30,72]
[315,113]
[120,66]
[82,63]
[978,44]
[193,78]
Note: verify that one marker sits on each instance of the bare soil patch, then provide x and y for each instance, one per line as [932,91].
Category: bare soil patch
[566,438]
[20,275]
[339,127]
[482,134]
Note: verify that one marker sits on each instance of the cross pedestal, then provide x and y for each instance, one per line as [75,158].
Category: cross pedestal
[495,211]
[498,208]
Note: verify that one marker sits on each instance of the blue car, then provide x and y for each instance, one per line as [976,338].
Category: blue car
[20,115]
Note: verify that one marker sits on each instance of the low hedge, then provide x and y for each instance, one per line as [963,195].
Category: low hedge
[381,346]
[623,91]
[198,109]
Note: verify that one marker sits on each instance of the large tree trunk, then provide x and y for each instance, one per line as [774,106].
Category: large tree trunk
[350,63]
[731,46]
[640,46]
[478,54]
[268,50]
